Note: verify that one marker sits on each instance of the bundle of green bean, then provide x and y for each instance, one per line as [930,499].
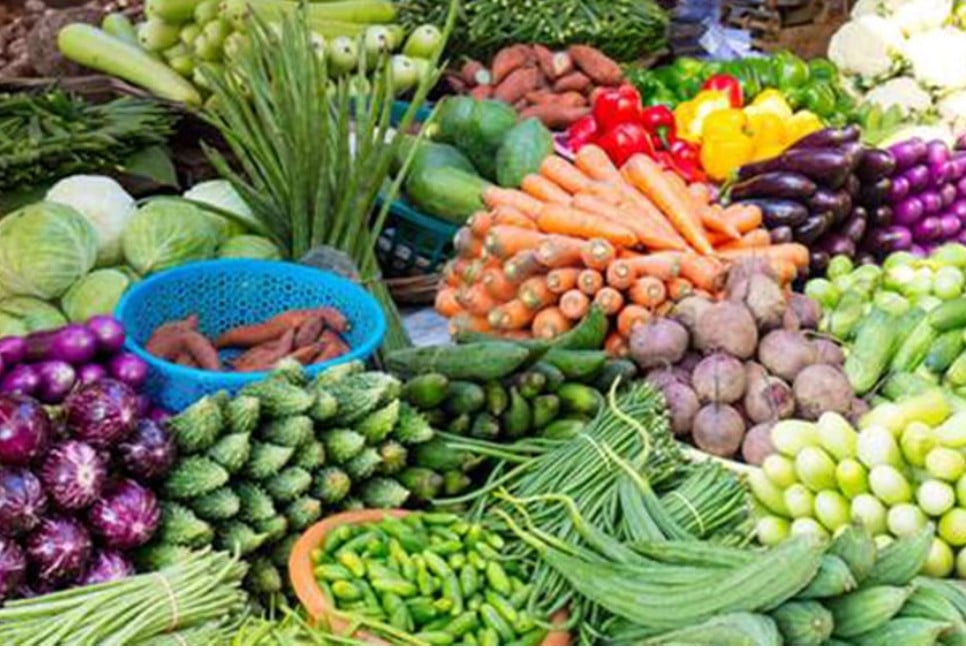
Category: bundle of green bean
[428,578]
[204,587]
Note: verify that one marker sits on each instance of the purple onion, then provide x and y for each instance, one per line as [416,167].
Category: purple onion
[24,429]
[928,229]
[149,452]
[74,344]
[107,566]
[908,153]
[127,516]
[12,350]
[13,564]
[22,501]
[899,189]
[947,193]
[102,413]
[57,378]
[950,225]
[59,549]
[909,211]
[73,475]
[108,332]
[918,178]
[90,373]
[22,379]
[129,369]
[931,201]
[159,415]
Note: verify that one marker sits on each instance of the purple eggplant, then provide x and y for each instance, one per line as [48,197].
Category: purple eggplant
[59,549]
[837,202]
[918,178]
[875,164]
[891,239]
[854,228]
[932,202]
[22,501]
[819,260]
[775,184]
[777,213]
[950,225]
[783,234]
[908,153]
[881,216]
[829,138]
[865,258]
[829,167]
[875,193]
[836,244]
[959,208]
[899,189]
[909,211]
[813,228]
[853,186]
[13,566]
[928,229]
[936,152]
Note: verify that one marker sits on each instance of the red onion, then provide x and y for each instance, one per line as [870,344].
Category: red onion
[24,429]
[22,501]
[56,380]
[22,379]
[129,369]
[149,452]
[127,516]
[74,344]
[13,564]
[102,413]
[90,373]
[108,332]
[12,350]
[73,475]
[59,549]
[107,566]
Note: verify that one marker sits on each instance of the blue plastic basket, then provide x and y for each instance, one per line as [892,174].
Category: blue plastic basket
[230,292]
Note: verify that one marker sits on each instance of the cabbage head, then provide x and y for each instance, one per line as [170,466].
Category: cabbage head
[167,233]
[94,294]
[104,203]
[22,315]
[249,246]
[230,213]
[44,248]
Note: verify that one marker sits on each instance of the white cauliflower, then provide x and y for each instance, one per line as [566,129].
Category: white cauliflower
[925,133]
[903,92]
[936,58]
[952,110]
[867,46]
[920,15]
[866,7]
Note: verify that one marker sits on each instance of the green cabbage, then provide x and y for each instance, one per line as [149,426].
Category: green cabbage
[104,203]
[249,246]
[44,248]
[167,233]
[94,294]
[22,315]
[230,213]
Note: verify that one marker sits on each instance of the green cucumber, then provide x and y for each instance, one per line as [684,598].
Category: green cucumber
[914,348]
[554,376]
[875,343]
[956,373]
[949,315]
[574,364]
[464,397]
[475,361]
[518,418]
[426,391]
[588,335]
[579,399]
[944,351]
[485,426]
[535,347]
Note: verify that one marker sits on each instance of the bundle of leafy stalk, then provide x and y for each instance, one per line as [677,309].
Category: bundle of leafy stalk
[312,155]
[625,30]
[47,135]
[630,482]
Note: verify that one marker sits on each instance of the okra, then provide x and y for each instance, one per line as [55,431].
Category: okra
[493,621]
[501,605]
[497,578]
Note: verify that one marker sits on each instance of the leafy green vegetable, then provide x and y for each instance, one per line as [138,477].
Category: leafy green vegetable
[22,315]
[165,233]
[94,294]
[248,246]
[104,203]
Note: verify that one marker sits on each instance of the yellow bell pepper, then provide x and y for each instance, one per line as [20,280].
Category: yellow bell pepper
[690,116]
[770,101]
[802,123]
[721,154]
[731,120]
[768,132]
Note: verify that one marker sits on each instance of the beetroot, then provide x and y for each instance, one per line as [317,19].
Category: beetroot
[682,404]
[22,501]
[59,549]
[757,444]
[659,342]
[719,378]
[73,474]
[718,429]
[768,399]
[806,310]
[729,327]
[828,352]
[785,353]
[126,516]
[689,310]
[766,301]
[822,388]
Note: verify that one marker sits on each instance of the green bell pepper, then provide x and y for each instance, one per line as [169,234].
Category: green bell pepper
[765,70]
[823,69]
[819,98]
[791,71]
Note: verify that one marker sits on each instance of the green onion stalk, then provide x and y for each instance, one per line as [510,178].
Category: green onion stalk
[313,150]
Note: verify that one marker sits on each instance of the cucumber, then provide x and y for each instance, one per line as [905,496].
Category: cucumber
[447,192]
[530,383]
[873,348]
[588,335]
[426,391]
[576,364]
[464,397]
[914,348]
[867,609]
[524,148]
[100,51]
[485,426]
[910,631]
[579,399]
[944,351]
[803,623]
[554,376]
[476,361]
[949,315]
[497,400]
[614,369]
[518,418]
[956,373]
[903,385]
[545,409]
[563,429]
[850,310]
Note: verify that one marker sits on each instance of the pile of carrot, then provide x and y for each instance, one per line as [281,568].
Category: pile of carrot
[633,241]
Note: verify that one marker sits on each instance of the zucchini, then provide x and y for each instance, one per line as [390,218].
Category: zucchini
[588,335]
[909,631]
[867,609]
[575,364]
[803,623]
[426,391]
[579,399]
[554,376]
[476,361]
[914,348]
[464,397]
[944,351]
[949,315]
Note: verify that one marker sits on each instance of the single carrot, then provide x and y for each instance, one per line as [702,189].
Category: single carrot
[701,192]
[590,281]
[446,303]
[664,266]
[511,316]
[597,253]
[480,223]
[561,280]
[574,304]
[467,245]
[549,323]
[535,294]
[743,216]
[608,192]
[664,309]
[609,300]
[616,345]
[544,190]
[521,266]
[452,271]
[473,271]
[678,288]
[756,238]
[557,219]
[596,164]
[495,281]
[714,221]
[648,291]
[466,322]
[785,271]
[494,196]
[505,215]
[704,272]
[661,234]
[796,253]
[558,251]
[653,237]
[620,274]
[630,316]
[645,174]
[564,174]
[503,241]
[475,300]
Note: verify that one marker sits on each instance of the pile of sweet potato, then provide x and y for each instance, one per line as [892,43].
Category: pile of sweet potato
[308,335]
[554,87]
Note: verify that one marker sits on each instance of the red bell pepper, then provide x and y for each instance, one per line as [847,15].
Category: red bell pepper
[582,132]
[626,140]
[617,106]
[729,85]
[689,170]
[659,121]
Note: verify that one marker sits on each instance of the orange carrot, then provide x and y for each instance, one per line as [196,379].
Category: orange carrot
[630,316]
[497,285]
[648,291]
[511,316]
[494,196]
[590,282]
[557,219]
[631,218]
[564,174]
[466,322]
[678,288]
[786,271]
[616,345]
[620,274]
[609,300]
[574,304]
[597,253]
[452,271]
[535,294]
[608,192]
[544,190]
[664,266]
[796,253]
[756,238]
[467,245]
[714,221]
[700,192]
[594,162]
[503,241]
[549,323]
[664,309]
[557,251]
[561,280]
[706,273]
[743,216]
[475,300]
[480,223]
[446,304]
[506,215]
[645,174]
[521,266]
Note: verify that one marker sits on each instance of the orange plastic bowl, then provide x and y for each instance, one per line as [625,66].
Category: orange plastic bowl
[319,608]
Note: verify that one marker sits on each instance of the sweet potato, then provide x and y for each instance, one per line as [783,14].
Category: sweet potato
[540,96]
[571,98]
[786,353]
[658,342]
[201,350]
[265,355]
[509,59]
[575,81]
[332,346]
[482,92]
[516,85]
[718,429]
[475,73]
[255,334]
[167,340]
[719,378]
[553,64]
[598,66]
[308,331]
[822,388]
[334,319]
[555,117]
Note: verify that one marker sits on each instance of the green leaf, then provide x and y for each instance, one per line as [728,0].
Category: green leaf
[153,163]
